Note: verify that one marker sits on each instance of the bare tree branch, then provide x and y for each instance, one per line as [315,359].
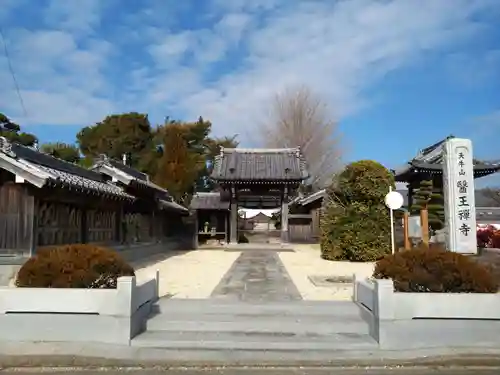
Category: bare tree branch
[492,195]
[300,118]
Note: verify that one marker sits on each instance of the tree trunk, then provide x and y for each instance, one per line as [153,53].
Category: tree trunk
[424,224]
[406,230]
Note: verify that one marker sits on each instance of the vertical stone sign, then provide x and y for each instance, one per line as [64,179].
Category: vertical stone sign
[459,201]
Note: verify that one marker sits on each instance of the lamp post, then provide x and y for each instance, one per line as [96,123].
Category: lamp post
[394,201]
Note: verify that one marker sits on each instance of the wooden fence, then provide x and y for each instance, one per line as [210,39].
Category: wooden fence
[303,228]
[16,220]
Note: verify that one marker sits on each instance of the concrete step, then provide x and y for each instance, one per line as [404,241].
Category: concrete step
[241,317]
[258,324]
[222,306]
[252,342]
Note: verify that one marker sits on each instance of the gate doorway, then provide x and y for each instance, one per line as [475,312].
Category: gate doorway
[258,227]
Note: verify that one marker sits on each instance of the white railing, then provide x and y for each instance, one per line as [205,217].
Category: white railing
[379,297]
[364,292]
[122,301]
[77,315]
[146,292]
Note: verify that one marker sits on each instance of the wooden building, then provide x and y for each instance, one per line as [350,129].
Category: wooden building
[212,217]
[47,201]
[259,222]
[258,178]
[304,222]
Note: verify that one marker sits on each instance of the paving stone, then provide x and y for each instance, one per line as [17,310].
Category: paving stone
[257,276]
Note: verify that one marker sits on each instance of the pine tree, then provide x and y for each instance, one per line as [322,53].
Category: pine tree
[13,133]
[430,198]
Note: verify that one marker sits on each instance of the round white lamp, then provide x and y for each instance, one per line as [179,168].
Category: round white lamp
[394,201]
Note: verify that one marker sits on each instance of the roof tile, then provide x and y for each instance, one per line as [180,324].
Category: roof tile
[208,201]
[235,164]
[66,173]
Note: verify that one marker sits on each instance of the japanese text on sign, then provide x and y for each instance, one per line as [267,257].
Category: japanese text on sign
[463,211]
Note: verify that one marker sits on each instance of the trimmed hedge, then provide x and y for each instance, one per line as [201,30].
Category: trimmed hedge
[73,266]
[435,270]
[355,224]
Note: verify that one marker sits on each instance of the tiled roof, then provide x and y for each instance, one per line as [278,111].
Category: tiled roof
[128,170]
[430,159]
[308,199]
[132,175]
[57,171]
[172,206]
[259,165]
[208,201]
[69,179]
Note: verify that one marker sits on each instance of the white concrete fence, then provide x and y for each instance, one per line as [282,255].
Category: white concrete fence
[77,315]
[423,320]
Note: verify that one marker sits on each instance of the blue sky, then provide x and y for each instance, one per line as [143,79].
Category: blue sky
[397,75]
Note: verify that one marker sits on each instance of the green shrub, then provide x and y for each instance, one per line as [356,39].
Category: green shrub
[435,270]
[73,266]
[355,224]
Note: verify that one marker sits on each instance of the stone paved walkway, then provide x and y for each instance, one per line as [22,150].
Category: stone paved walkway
[257,276]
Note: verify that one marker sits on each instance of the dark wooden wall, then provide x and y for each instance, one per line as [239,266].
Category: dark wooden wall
[306,225]
[16,219]
[31,218]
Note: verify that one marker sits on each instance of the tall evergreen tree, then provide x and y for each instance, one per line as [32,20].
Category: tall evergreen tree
[118,134]
[177,167]
[430,198]
[154,150]
[64,151]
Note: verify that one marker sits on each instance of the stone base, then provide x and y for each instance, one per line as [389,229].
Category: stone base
[285,236]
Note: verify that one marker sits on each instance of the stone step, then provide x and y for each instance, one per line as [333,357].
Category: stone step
[243,316]
[258,324]
[252,342]
[223,306]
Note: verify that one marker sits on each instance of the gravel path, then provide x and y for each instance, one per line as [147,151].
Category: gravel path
[192,274]
[197,273]
[306,261]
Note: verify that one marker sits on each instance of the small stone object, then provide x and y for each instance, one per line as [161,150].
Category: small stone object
[340,279]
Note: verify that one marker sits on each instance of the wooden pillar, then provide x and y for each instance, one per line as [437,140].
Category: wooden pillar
[424,224]
[284,215]
[233,226]
[226,239]
[406,230]
[34,229]
[195,231]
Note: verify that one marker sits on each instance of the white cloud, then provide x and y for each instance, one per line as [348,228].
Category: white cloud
[473,69]
[79,17]
[228,62]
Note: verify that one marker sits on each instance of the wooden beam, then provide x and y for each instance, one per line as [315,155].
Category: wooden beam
[407,245]
[233,227]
